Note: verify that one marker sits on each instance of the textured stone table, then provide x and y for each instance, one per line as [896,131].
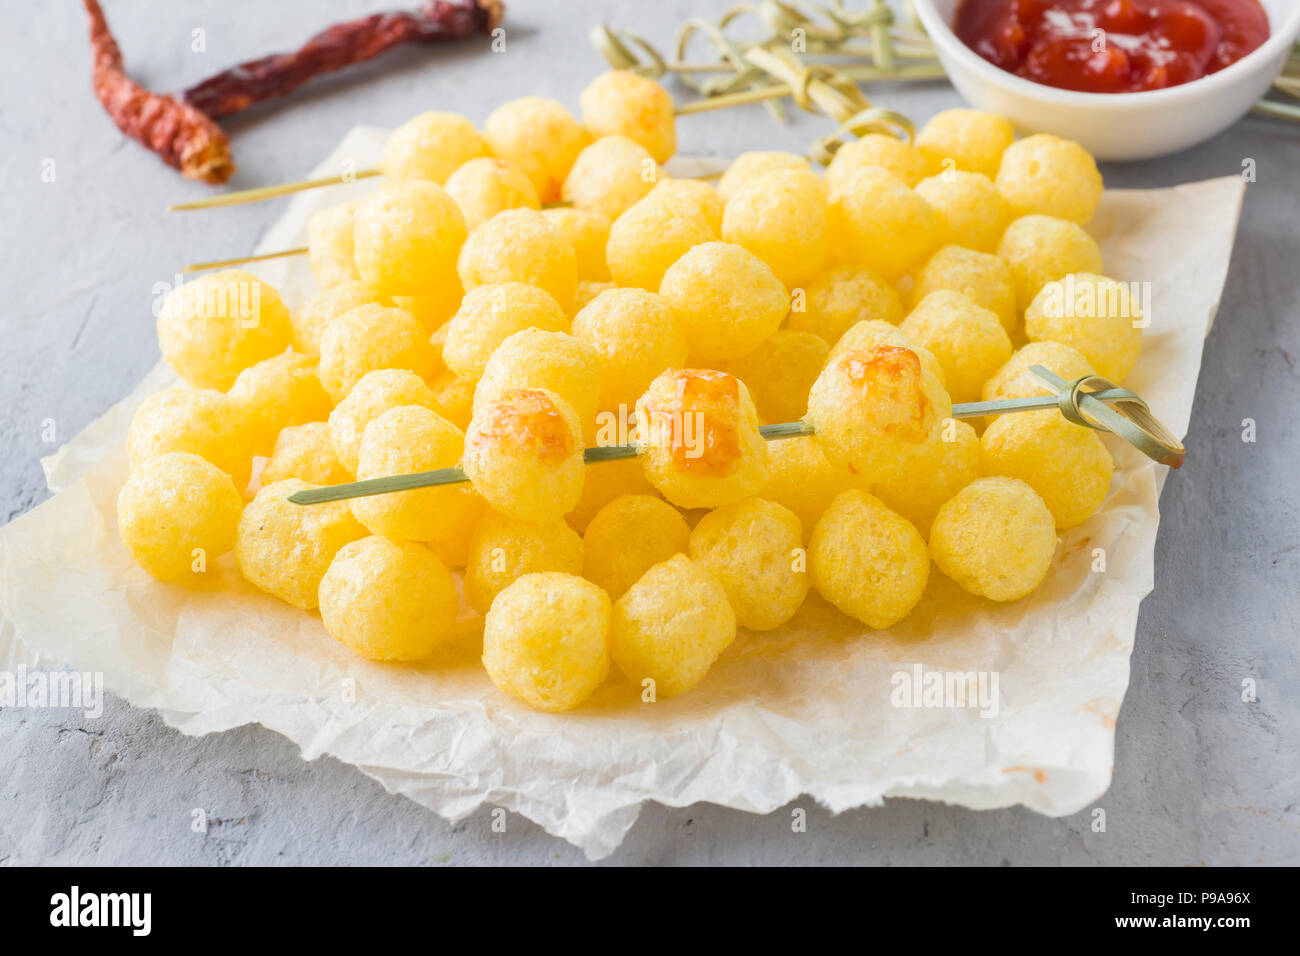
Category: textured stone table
[1200,776]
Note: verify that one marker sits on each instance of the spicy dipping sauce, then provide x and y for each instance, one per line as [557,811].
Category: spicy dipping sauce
[1111,46]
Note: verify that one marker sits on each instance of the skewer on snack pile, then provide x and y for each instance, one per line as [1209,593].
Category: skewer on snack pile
[467,330]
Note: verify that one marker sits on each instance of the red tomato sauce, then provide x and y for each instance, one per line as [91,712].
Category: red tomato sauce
[1112,46]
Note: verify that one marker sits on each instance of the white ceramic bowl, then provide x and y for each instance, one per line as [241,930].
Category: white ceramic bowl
[1116,125]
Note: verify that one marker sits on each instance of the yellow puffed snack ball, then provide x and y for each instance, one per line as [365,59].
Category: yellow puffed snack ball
[202,422]
[725,299]
[842,297]
[934,474]
[603,483]
[589,233]
[780,372]
[1039,249]
[408,237]
[490,314]
[869,562]
[755,548]
[546,640]
[635,338]
[1096,315]
[867,335]
[523,451]
[609,176]
[995,538]
[755,163]
[874,407]
[968,340]
[1066,464]
[306,452]
[627,537]
[1050,176]
[621,103]
[781,218]
[502,550]
[177,514]
[971,211]
[431,147]
[879,150]
[802,479]
[539,136]
[1014,380]
[453,398]
[694,195]
[671,626]
[283,548]
[307,324]
[536,358]
[368,338]
[330,245]
[373,395]
[520,245]
[212,328]
[702,446]
[388,600]
[650,237]
[983,278]
[877,222]
[484,187]
[971,139]
[278,392]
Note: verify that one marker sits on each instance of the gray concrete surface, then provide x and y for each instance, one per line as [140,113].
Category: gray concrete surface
[1200,776]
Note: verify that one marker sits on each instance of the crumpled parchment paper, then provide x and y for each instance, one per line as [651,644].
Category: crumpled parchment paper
[807,709]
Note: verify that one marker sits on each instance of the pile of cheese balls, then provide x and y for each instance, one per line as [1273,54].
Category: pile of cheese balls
[512,294]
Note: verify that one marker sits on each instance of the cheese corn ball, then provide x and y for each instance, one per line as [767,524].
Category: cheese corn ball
[969,341]
[605,482]
[635,338]
[693,195]
[523,451]
[874,407]
[627,537]
[802,479]
[387,600]
[621,103]
[1014,380]
[489,315]
[983,278]
[1050,176]
[725,299]
[995,538]
[276,393]
[867,335]
[869,562]
[781,218]
[520,245]
[373,395]
[651,236]
[1039,249]
[840,298]
[934,474]
[502,550]
[306,452]
[367,339]
[971,211]
[330,245]
[402,441]
[453,398]
[1098,316]
[877,222]
[755,549]
[202,422]
[589,233]
[431,146]
[540,137]
[283,548]
[307,324]
[755,163]
[780,372]
[408,237]
[877,150]
[555,361]
[609,176]
[1066,464]
[702,447]
[546,640]
[212,328]
[483,187]
[177,514]
[671,626]
[972,139]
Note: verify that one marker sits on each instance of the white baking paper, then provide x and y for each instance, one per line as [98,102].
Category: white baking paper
[802,710]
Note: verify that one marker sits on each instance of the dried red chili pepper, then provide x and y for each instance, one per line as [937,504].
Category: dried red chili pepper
[176,131]
[338,46]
